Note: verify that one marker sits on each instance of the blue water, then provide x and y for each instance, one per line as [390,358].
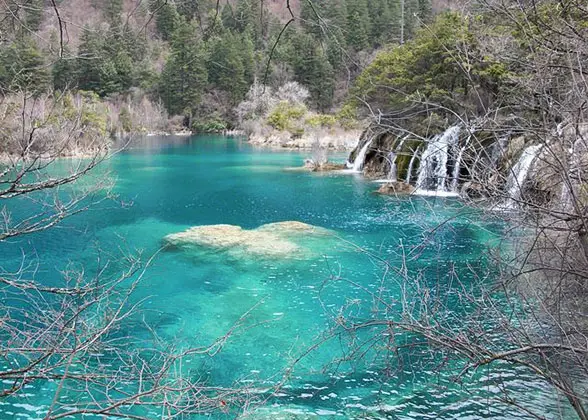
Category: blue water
[191,297]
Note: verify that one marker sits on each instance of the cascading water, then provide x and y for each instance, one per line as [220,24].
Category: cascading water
[518,175]
[360,158]
[499,149]
[392,177]
[411,165]
[392,173]
[432,175]
[457,166]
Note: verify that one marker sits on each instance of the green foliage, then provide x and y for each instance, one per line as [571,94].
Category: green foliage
[65,74]
[228,17]
[210,125]
[166,18]
[312,69]
[184,75]
[33,14]
[321,120]
[112,10]
[427,69]
[93,113]
[284,115]
[358,24]
[230,64]
[105,65]
[23,68]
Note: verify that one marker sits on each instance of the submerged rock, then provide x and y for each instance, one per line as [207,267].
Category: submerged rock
[313,166]
[272,240]
[394,188]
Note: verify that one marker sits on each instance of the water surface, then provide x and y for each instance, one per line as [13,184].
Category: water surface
[194,296]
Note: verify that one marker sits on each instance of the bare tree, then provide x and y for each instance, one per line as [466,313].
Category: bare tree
[526,305]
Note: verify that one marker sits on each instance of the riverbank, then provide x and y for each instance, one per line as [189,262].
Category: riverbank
[336,139]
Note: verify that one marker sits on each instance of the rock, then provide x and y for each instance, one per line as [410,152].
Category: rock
[293,228]
[396,188]
[271,240]
[323,166]
[473,190]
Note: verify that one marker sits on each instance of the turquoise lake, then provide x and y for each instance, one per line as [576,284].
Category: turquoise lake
[193,296]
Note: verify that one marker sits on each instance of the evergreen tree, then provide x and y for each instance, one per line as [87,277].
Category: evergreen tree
[88,63]
[335,14]
[24,68]
[112,10]
[357,24]
[190,9]
[313,70]
[425,11]
[395,25]
[381,22]
[247,52]
[226,69]
[65,74]
[309,19]
[248,20]
[228,18]
[34,14]
[322,83]
[184,76]
[166,18]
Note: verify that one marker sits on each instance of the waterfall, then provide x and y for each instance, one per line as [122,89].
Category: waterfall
[360,158]
[457,166]
[498,150]
[402,140]
[518,175]
[392,173]
[411,165]
[432,175]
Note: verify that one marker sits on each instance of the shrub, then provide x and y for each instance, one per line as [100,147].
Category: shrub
[211,125]
[284,114]
[321,120]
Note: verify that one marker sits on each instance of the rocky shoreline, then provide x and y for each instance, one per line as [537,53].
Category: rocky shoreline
[337,140]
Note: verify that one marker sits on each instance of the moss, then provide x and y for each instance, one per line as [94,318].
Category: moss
[405,155]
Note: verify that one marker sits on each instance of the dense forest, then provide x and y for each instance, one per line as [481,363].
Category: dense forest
[198,59]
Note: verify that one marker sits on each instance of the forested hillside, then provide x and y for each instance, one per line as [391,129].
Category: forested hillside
[198,59]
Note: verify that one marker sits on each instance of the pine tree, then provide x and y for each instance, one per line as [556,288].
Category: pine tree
[228,18]
[166,18]
[88,63]
[65,75]
[34,14]
[226,69]
[335,14]
[322,84]
[381,22]
[312,69]
[357,24]
[425,11]
[184,76]
[190,9]
[112,10]
[24,68]
[309,20]
[248,19]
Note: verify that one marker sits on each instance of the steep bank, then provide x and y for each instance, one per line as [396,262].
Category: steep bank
[471,160]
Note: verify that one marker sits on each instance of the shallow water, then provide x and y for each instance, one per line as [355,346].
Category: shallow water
[195,295]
